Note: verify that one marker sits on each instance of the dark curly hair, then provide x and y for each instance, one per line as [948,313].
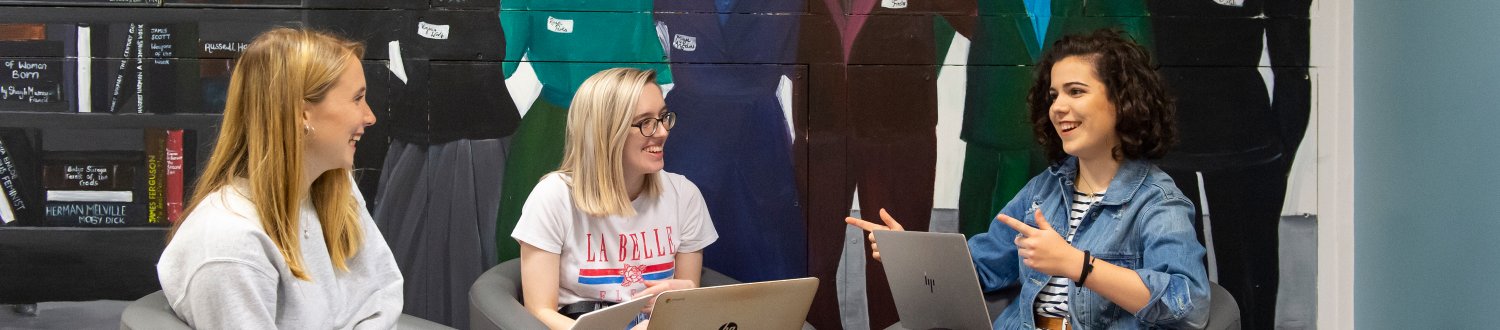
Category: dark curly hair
[1146,115]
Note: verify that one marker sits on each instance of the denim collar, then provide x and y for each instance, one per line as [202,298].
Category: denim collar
[1122,188]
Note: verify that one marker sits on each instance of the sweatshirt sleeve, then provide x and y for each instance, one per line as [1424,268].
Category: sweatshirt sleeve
[388,304]
[228,294]
[384,306]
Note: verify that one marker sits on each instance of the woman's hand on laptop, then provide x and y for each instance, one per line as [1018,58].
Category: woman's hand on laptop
[871,227]
[656,287]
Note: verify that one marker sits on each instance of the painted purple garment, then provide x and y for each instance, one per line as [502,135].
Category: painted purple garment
[872,87]
[732,137]
[850,25]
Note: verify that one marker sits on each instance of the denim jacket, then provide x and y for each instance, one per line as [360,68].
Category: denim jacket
[1143,223]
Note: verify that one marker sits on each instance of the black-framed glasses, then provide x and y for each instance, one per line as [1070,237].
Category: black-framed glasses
[649,126]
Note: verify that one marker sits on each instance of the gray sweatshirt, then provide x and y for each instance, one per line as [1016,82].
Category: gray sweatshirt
[221,271]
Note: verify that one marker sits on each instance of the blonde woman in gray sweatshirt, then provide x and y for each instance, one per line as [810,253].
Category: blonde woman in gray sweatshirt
[276,234]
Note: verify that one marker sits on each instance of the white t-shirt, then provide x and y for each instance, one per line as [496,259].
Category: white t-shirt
[608,258]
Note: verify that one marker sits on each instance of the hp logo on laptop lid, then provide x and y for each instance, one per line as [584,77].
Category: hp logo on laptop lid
[931,284]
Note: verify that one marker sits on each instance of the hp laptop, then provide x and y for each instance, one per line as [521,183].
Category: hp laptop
[933,281]
[612,317]
[772,305]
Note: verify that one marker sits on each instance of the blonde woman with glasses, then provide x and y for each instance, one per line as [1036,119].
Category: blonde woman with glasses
[276,234]
[609,224]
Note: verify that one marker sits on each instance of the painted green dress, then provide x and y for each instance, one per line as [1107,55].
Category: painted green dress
[565,41]
[1009,38]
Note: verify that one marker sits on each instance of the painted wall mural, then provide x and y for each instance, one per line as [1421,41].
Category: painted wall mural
[864,118]
[792,115]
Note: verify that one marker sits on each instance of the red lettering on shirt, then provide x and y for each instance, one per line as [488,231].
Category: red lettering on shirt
[588,239]
[647,249]
[603,254]
[657,233]
[635,247]
[623,246]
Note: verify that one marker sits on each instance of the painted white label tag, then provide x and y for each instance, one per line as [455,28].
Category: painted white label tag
[393,50]
[893,4]
[685,43]
[1235,3]
[662,37]
[559,25]
[432,31]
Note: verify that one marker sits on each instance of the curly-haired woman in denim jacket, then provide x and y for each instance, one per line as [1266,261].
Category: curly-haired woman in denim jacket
[1102,238]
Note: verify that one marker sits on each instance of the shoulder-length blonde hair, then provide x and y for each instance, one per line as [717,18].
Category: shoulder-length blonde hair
[598,121]
[262,140]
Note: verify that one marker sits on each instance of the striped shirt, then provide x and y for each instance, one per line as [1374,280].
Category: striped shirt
[1053,300]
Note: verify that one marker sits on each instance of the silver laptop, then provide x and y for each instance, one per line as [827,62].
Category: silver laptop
[772,305]
[612,317]
[933,281]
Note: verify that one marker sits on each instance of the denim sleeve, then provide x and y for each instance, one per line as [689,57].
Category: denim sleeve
[1172,265]
[994,251]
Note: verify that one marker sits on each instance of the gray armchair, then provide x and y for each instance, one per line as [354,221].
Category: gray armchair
[1223,310]
[495,299]
[152,312]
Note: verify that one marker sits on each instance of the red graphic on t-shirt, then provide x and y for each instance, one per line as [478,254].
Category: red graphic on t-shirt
[632,274]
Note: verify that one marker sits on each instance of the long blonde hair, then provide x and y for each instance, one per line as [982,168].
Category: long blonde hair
[598,121]
[261,139]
